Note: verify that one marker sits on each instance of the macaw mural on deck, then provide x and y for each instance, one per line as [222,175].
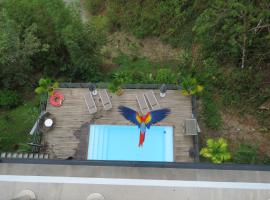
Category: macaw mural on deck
[145,121]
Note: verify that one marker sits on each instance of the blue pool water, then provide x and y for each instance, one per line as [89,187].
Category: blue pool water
[110,142]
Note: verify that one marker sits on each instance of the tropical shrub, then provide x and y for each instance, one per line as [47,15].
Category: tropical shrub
[119,78]
[9,99]
[216,150]
[115,87]
[245,154]
[189,86]
[46,86]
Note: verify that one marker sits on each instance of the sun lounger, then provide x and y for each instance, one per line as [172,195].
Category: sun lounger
[105,99]
[191,127]
[142,103]
[150,96]
[90,103]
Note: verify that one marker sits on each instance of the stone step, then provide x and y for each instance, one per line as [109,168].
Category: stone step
[13,155]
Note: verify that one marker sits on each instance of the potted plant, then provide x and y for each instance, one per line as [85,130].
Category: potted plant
[116,84]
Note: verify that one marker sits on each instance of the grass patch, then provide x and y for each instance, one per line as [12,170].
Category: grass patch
[133,69]
[210,111]
[16,124]
[133,64]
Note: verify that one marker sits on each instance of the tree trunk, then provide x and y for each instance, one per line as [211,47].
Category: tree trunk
[244,46]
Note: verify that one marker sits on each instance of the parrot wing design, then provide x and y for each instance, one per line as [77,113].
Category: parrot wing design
[143,122]
[131,115]
[149,119]
[156,116]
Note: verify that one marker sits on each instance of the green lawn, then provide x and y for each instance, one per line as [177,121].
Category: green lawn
[15,125]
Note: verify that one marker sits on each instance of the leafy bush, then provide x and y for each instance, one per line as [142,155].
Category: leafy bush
[98,28]
[94,6]
[241,87]
[210,112]
[189,86]
[166,76]
[216,150]
[15,125]
[24,148]
[48,37]
[239,34]
[9,99]
[122,77]
[115,86]
[156,18]
[245,154]
[46,86]
[266,160]
[129,64]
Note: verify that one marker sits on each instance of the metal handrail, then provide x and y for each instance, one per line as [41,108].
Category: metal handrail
[37,135]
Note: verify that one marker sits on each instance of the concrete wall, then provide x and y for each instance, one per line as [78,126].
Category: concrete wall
[115,189]
[75,182]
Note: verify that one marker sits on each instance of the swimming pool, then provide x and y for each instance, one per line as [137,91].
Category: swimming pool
[113,142]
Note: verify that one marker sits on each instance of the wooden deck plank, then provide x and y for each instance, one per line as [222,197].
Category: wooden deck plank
[63,143]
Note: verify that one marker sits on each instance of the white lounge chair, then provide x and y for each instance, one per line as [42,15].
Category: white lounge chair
[105,99]
[90,103]
[142,103]
[150,96]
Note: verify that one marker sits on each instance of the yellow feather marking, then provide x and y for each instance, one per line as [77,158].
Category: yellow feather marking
[138,117]
[148,118]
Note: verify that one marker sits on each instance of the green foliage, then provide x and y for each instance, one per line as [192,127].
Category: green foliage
[48,37]
[18,46]
[24,148]
[9,99]
[245,154]
[216,150]
[118,80]
[156,18]
[98,28]
[189,86]
[235,30]
[16,124]
[140,70]
[240,87]
[266,160]
[127,63]
[94,6]
[210,112]
[46,86]
[166,76]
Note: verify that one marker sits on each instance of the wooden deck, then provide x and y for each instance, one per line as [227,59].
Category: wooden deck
[70,134]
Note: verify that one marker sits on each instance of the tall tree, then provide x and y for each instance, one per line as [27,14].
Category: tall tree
[236,30]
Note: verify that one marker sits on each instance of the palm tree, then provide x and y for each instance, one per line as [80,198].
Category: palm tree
[190,86]
[216,150]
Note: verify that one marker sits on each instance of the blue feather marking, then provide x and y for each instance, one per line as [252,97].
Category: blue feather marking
[157,116]
[129,114]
